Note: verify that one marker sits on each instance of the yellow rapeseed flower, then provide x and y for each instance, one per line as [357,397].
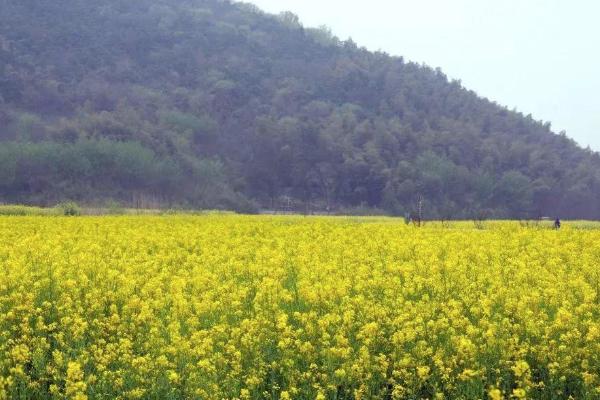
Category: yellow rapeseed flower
[227,306]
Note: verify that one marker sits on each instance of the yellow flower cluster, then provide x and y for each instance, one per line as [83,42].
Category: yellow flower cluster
[234,307]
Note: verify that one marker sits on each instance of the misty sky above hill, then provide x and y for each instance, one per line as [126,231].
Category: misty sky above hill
[538,56]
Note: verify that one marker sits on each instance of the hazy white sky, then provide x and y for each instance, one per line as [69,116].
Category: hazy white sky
[539,56]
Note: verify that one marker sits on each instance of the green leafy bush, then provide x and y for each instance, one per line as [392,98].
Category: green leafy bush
[22,211]
[70,209]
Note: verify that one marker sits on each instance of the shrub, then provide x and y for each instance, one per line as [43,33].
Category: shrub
[20,210]
[70,209]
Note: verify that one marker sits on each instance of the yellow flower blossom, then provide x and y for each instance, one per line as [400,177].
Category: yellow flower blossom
[242,307]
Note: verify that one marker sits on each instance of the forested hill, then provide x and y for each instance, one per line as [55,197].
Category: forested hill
[208,103]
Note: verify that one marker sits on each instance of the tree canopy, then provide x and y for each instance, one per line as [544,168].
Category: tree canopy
[212,103]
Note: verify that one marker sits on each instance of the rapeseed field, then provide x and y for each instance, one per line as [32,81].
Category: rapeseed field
[235,307]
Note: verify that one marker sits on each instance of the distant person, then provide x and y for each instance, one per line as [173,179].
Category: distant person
[557,223]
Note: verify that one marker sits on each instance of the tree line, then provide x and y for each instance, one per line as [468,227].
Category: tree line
[211,103]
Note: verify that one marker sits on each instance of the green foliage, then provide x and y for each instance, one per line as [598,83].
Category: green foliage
[69,209]
[28,126]
[114,208]
[91,170]
[210,103]
[22,211]
[184,123]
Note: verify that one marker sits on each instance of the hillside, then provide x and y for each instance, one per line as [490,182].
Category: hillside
[207,103]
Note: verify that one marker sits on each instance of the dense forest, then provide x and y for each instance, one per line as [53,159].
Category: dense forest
[211,103]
